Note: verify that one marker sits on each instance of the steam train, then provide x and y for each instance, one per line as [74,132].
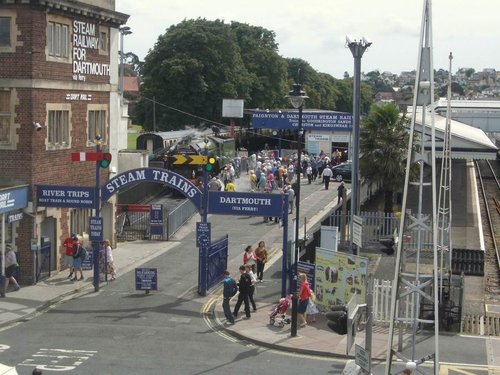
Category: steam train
[163,146]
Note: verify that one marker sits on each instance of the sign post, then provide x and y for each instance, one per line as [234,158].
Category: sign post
[146,279]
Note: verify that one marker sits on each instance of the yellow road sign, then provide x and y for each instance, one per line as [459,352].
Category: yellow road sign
[190,159]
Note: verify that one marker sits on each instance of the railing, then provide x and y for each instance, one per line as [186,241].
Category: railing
[179,216]
[481,325]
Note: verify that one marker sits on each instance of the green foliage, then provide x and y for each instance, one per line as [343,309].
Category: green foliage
[383,145]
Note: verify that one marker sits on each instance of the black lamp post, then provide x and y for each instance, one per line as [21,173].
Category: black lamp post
[297,98]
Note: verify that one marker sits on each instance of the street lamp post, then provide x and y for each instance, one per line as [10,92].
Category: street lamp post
[297,98]
[357,49]
[124,30]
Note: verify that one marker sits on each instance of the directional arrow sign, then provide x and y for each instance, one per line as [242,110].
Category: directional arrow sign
[190,159]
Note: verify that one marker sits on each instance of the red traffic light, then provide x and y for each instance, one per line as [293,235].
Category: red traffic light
[106,160]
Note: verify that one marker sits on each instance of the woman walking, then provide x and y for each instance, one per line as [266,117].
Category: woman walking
[10,269]
[110,270]
[249,257]
[261,255]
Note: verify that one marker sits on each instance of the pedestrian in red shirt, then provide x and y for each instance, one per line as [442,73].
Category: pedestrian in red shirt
[68,257]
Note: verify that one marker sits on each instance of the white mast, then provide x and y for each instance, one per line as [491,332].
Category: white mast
[421,288]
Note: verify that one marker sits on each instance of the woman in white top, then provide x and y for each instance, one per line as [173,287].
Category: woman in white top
[109,259]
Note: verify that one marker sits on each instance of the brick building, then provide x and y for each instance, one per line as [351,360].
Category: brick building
[58,90]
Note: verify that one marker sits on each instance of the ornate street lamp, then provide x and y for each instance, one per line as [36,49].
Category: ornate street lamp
[124,30]
[358,48]
[297,98]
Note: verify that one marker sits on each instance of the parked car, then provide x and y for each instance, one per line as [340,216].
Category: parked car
[342,171]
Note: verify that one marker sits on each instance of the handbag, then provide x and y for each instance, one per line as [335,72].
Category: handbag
[312,309]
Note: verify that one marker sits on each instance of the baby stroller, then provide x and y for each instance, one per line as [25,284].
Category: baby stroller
[278,314]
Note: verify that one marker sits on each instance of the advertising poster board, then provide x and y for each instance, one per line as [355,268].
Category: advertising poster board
[338,277]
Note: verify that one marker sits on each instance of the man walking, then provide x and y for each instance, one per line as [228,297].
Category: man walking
[244,287]
[230,289]
[327,174]
[341,192]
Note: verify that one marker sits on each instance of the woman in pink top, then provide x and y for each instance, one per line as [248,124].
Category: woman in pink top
[249,257]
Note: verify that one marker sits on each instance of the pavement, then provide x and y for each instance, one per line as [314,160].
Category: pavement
[315,339]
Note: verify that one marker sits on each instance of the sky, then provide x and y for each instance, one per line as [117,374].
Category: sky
[316,30]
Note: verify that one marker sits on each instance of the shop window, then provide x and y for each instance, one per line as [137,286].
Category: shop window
[96,125]
[58,129]
[58,40]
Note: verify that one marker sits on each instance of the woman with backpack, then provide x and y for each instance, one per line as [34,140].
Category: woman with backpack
[79,255]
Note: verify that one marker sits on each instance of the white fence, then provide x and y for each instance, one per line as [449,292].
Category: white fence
[382,290]
[470,324]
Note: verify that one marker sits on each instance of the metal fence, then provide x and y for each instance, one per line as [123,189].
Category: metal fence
[377,225]
[136,225]
[179,216]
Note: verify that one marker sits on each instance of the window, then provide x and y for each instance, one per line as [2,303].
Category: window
[103,42]
[97,125]
[79,220]
[5,31]
[58,128]
[57,39]
[5,117]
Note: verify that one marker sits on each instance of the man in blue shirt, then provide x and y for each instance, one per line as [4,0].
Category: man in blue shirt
[230,289]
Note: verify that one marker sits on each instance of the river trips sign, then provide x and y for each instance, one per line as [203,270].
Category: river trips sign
[245,204]
[65,196]
[311,120]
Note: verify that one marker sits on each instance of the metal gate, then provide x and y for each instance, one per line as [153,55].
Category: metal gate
[43,260]
[217,261]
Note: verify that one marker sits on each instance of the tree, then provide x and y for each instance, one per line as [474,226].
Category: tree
[267,69]
[191,68]
[383,145]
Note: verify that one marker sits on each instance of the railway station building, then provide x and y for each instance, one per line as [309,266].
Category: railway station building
[58,91]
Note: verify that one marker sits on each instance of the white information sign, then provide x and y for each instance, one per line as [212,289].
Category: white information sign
[357,230]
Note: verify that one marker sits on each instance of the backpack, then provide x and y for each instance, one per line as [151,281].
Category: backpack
[82,253]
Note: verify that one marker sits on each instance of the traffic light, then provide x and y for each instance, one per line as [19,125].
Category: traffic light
[106,160]
[337,319]
[210,166]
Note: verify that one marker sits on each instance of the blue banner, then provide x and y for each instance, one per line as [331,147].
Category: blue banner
[95,229]
[156,220]
[13,199]
[245,204]
[318,121]
[89,261]
[65,196]
[146,279]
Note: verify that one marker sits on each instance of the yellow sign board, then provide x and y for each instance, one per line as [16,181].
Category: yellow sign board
[190,159]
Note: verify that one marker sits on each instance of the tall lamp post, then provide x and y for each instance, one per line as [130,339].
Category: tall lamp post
[124,30]
[357,48]
[297,98]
